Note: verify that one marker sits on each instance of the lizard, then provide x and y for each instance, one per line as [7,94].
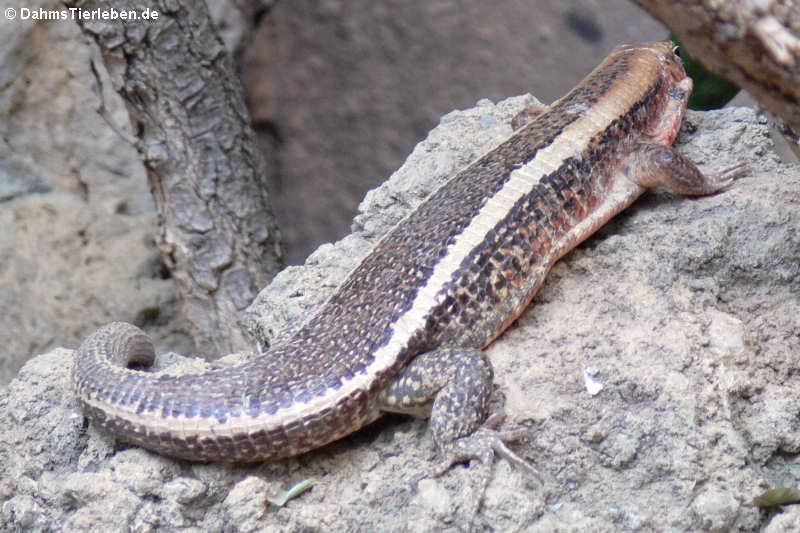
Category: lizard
[404,332]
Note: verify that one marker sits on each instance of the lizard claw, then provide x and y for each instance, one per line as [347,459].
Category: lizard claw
[483,444]
[724,178]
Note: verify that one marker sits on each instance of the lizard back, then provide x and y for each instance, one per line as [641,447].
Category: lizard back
[457,270]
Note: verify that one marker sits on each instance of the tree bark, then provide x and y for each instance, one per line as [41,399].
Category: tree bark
[217,232]
[754,44]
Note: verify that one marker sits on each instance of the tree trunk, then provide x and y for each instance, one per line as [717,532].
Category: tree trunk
[217,232]
[755,45]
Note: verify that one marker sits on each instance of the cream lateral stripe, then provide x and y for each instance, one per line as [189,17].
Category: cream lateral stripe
[520,183]
[605,109]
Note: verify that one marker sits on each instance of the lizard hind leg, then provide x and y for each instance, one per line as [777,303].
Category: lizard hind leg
[453,386]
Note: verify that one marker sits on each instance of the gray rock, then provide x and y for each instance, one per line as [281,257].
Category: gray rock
[785,522]
[17,178]
[66,268]
[246,503]
[686,309]
[716,508]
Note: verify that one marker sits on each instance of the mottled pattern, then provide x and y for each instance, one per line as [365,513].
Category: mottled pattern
[451,385]
[301,395]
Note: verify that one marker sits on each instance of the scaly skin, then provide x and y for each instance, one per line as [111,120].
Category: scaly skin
[404,330]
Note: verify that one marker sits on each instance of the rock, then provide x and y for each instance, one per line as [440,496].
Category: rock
[247,503]
[716,508]
[686,309]
[66,268]
[17,178]
[785,522]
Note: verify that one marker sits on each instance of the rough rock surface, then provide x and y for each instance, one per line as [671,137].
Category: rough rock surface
[686,310]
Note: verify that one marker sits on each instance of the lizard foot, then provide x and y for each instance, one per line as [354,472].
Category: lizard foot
[452,385]
[483,444]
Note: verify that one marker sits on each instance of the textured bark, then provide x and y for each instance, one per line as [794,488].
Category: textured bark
[217,233]
[753,43]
